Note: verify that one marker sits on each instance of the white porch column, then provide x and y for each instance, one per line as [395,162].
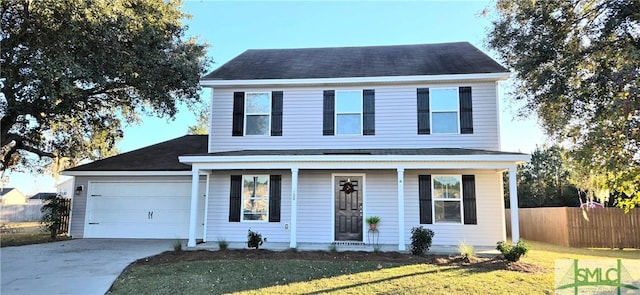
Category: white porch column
[293,243]
[193,214]
[513,202]
[401,245]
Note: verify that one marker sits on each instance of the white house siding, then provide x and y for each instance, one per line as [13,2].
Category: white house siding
[315,204]
[489,208]
[396,120]
[218,225]
[315,208]
[79,205]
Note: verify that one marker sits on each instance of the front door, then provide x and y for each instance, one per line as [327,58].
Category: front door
[348,198]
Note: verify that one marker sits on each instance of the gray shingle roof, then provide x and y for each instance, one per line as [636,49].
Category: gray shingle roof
[6,190]
[158,157]
[369,61]
[366,152]
[164,156]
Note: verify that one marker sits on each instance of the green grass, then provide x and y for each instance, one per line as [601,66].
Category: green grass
[296,276]
[20,239]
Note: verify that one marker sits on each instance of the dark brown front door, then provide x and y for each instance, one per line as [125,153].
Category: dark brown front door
[348,195]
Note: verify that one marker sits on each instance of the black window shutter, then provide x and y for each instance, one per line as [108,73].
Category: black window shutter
[466,110]
[275,184]
[238,114]
[369,112]
[469,199]
[424,126]
[424,196]
[235,198]
[276,113]
[328,112]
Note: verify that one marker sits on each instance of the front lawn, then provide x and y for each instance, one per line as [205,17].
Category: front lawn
[357,273]
[25,233]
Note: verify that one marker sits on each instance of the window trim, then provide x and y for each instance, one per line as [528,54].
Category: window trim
[435,199]
[457,110]
[336,113]
[246,113]
[242,198]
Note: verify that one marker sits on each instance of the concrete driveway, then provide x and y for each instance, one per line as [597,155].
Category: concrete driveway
[83,266]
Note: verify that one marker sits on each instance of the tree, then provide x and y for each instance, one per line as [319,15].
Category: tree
[75,71]
[202,125]
[577,65]
[544,181]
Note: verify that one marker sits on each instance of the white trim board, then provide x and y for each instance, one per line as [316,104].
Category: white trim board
[359,80]
[130,173]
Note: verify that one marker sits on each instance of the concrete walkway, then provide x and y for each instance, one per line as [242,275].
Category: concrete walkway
[83,266]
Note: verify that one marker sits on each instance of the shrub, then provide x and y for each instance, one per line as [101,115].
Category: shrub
[421,240]
[254,239]
[177,247]
[223,244]
[54,211]
[511,252]
[333,248]
[466,251]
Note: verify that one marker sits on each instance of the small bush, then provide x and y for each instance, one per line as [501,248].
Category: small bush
[294,250]
[177,247]
[53,213]
[333,248]
[466,251]
[223,244]
[254,239]
[421,239]
[511,252]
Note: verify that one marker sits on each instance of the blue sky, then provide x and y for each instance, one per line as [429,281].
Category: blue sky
[231,27]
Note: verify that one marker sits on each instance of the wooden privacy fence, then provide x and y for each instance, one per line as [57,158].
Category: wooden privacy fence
[66,213]
[596,228]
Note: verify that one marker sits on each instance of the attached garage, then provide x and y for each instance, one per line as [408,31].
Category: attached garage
[142,194]
[158,210]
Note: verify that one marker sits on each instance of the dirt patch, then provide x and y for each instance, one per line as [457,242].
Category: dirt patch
[480,264]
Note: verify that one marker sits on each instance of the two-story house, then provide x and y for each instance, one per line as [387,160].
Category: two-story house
[305,144]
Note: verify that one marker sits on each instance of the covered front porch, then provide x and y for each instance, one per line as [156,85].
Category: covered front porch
[310,190]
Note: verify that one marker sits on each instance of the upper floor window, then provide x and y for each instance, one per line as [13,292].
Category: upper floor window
[257,113]
[444,110]
[349,112]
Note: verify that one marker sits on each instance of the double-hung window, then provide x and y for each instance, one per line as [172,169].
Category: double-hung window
[444,110]
[255,197]
[447,198]
[257,113]
[348,112]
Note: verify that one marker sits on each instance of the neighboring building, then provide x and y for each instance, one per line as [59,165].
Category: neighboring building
[12,196]
[65,188]
[42,196]
[304,144]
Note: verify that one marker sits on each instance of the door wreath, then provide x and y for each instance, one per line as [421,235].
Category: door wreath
[347,187]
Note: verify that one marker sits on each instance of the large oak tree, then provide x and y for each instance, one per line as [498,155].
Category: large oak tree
[75,72]
[577,65]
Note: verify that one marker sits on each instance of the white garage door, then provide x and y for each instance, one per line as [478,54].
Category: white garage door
[157,210]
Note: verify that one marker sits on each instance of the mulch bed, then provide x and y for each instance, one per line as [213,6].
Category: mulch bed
[487,264]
